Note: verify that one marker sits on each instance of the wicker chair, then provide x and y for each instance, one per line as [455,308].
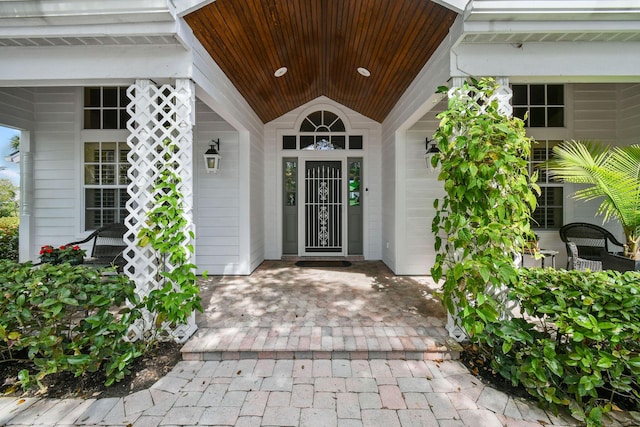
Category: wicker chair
[107,246]
[590,241]
[581,263]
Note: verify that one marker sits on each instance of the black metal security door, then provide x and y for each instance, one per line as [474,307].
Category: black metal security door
[323,206]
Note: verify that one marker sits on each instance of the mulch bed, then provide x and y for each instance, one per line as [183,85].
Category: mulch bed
[145,371]
[480,366]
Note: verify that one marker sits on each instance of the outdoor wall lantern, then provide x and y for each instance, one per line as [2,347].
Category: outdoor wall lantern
[432,150]
[212,157]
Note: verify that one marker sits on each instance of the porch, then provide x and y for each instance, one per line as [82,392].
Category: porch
[282,311]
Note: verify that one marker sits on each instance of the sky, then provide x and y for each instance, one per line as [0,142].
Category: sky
[12,170]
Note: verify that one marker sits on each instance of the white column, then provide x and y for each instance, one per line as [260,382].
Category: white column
[159,114]
[503,96]
[26,229]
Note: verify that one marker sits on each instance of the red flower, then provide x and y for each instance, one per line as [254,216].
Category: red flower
[62,253]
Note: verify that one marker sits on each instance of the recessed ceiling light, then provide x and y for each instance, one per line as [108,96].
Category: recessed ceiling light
[280,72]
[363,71]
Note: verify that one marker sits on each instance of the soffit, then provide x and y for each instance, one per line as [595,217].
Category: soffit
[322,43]
[555,37]
[89,41]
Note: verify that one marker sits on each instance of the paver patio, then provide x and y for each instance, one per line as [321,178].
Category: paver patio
[283,311]
[281,382]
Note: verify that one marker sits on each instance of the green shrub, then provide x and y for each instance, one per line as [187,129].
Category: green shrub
[9,238]
[580,344]
[584,353]
[66,318]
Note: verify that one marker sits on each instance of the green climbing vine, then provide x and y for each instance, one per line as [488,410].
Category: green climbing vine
[167,229]
[581,348]
[483,220]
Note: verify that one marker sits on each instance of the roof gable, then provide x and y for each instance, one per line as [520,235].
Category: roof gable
[322,43]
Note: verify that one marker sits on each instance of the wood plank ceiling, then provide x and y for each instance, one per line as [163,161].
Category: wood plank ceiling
[322,43]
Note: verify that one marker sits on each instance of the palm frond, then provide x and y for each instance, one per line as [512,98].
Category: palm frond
[609,173]
[575,162]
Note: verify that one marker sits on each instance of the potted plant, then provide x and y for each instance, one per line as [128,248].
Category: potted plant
[48,254]
[71,254]
[65,253]
[612,174]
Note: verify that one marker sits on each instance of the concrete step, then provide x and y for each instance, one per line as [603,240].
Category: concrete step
[320,342]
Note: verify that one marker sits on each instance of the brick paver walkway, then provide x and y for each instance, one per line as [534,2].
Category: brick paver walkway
[359,312]
[268,392]
[253,371]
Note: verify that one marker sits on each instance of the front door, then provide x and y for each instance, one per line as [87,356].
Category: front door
[323,208]
[322,211]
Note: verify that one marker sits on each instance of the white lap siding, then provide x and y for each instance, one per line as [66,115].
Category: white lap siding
[56,166]
[216,197]
[16,108]
[597,115]
[422,188]
[629,114]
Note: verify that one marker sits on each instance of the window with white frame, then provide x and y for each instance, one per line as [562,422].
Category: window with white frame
[543,106]
[549,211]
[322,130]
[105,151]
[105,183]
[539,105]
[105,108]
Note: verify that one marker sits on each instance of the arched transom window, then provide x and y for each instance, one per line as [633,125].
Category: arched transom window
[322,121]
[322,130]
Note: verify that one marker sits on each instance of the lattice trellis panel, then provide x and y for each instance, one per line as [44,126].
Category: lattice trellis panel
[159,114]
[502,95]
[480,102]
[455,330]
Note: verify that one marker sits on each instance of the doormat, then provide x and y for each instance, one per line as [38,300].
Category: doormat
[321,264]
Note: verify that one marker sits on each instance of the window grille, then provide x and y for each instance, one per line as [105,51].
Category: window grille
[105,183]
[549,211]
[105,108]
[322,130]
[539,105]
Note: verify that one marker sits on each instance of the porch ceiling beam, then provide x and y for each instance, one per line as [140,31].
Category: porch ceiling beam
[28,12]
[496,10]
[568,62]
[42,66]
